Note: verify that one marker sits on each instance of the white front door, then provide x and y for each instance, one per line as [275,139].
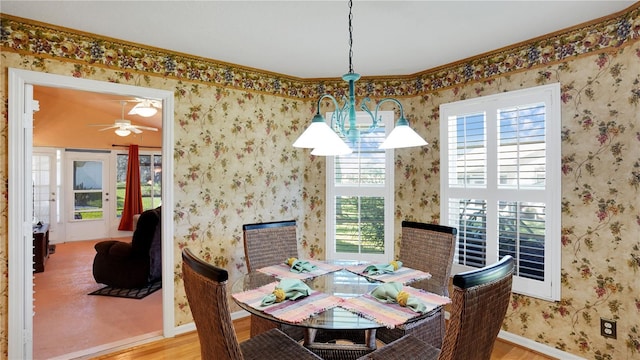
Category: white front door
[88,193]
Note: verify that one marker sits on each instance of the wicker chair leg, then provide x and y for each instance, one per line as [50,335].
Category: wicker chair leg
[260,325]
[430,330]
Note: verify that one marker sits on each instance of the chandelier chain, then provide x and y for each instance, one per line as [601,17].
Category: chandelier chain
[350,38]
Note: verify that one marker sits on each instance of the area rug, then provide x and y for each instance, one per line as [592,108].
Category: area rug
[137,293]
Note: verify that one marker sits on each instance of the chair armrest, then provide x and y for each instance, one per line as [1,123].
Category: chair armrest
[114,248]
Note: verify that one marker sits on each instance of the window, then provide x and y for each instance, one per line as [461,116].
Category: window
[88,188]
[500,184]
[360,196]
[150,180]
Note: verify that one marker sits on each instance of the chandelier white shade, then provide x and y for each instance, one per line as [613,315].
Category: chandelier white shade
[402,136]
[322,139]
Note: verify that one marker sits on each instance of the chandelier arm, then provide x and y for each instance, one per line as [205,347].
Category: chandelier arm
[374,117]
[401,120]
[338,114]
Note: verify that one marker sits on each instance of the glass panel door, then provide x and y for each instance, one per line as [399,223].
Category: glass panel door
[88,195]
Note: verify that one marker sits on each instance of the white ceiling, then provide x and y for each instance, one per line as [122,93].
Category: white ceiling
[309,39]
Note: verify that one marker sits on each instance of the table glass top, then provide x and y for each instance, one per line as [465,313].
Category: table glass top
[342,283]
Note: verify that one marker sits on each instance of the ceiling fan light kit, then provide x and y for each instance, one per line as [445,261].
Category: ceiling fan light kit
[144,109]
[123,132]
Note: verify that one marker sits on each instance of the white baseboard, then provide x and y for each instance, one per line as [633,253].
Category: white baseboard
[536,346]
[192,326]
[239,314]
[184,328]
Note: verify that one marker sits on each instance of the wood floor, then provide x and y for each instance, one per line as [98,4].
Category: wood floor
[187,346]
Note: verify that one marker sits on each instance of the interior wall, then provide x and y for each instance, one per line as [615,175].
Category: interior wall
[234,165]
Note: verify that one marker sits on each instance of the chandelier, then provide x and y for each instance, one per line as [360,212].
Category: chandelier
[325,140]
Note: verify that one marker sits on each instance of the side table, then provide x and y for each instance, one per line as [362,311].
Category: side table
[40,247]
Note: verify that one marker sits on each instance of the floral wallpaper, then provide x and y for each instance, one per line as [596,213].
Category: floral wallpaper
[233,162]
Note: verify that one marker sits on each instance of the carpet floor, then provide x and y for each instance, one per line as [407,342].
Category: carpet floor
[68,321]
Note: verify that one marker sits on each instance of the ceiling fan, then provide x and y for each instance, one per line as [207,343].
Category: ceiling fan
[123,126]
[145,107]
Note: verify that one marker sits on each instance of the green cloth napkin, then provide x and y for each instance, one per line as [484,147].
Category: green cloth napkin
[293,289]
[388,292]
[381,268]
[300,266]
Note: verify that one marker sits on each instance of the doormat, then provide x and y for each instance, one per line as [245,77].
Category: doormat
[136,293]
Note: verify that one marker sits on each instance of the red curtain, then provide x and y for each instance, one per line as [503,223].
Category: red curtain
[133,193]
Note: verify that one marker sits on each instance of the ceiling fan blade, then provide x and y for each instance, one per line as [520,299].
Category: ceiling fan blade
[110,127]
[145,127]
[134,129]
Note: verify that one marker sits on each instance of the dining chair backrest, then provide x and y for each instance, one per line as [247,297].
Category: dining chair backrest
[479,304]
[266,244]
[429,248]
[269,243]
[205,286]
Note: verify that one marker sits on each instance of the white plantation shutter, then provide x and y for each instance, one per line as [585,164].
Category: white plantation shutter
[360,196]
[500,184]
[522,147]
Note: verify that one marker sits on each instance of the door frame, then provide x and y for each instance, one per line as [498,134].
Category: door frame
[20,148]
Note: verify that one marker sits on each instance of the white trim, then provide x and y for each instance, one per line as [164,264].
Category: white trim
[189,327]
[549,288]
[20,317]
[536,346]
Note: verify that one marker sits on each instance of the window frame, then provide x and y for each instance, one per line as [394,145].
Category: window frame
[386,119]
[549,288]
[153,155]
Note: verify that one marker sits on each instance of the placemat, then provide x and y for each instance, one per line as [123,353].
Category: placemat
[404,275]
[392,315]
[283,270]
[293,311]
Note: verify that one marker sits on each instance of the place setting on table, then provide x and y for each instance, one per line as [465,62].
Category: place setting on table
[382,295]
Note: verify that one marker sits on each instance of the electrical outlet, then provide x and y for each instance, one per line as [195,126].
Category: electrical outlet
[608,328]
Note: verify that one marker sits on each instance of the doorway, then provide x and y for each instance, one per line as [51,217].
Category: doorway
[21,107]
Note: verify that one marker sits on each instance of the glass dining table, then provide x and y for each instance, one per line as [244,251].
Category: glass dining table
[339,284]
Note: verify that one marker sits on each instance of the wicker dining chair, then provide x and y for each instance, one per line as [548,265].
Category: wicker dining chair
[267,244]
[479,304]
[429,248]
[206,289]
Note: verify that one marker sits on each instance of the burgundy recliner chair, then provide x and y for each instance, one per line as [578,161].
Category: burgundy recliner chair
[135,264]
